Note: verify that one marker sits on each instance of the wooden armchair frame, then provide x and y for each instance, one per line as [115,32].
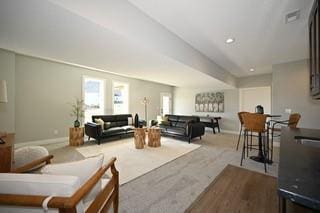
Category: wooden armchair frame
[109,194]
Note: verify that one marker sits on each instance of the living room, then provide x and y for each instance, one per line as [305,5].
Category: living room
[140,63]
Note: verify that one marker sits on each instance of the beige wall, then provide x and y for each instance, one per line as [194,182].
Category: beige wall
[184,103]
[7,66]
[255,81]
[44,89]
[291,91]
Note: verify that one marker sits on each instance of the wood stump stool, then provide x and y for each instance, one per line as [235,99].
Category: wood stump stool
[76,135]
[154,137]
[139,138]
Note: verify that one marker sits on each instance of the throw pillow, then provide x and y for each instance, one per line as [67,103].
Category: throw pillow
[84,169]
[130,121]
[165,118]
[100,122]
[166,123]
[107,125]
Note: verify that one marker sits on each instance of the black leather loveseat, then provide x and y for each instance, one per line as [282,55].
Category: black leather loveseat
[186,127]
[114,126]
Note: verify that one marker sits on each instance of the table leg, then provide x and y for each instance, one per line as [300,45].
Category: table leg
[260,158]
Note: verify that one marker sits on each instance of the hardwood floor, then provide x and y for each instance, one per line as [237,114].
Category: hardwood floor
[238,190]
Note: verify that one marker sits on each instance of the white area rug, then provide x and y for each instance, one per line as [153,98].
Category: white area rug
[131,162]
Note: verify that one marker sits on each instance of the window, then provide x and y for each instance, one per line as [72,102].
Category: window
[165,103]
[120,98]
[93,95]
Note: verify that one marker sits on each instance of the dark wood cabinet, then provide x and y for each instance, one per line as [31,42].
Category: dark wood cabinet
[314,50]
[6,153]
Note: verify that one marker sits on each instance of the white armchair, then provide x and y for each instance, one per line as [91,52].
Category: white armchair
[59,193]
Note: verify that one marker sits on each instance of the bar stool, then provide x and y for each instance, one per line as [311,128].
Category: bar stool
[255,123]
[276,127]
[241,126]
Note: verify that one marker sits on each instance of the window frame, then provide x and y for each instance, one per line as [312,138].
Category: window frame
[112,94]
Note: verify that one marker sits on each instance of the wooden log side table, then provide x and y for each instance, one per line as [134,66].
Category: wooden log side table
[6,153]
[154,137]
[76,135]
[139,137]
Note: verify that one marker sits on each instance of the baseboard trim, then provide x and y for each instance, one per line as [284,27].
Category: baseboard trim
[41,142]
[230,132]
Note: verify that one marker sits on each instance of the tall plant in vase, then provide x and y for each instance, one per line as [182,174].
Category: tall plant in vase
[77,110]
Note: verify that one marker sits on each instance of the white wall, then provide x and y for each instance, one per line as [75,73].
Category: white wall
[184,104]
[44,89]
[291,91]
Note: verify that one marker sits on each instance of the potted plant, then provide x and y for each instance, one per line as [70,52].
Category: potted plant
[77,110]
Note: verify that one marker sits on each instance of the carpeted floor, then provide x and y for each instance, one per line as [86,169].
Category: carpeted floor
[173,186]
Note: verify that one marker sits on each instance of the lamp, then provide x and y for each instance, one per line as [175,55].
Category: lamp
[145,102]
[3,99]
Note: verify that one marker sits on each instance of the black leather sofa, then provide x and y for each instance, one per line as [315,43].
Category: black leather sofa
[115,126]
[187,127]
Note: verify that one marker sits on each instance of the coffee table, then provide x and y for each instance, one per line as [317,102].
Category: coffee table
[139,137]
[154,137]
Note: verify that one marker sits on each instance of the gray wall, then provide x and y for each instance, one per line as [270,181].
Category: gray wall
[44,89]
[184,99]
[184,103]
[291,91]
[7,66]
[255,81]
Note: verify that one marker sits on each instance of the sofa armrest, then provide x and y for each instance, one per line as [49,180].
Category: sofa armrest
[195,129]
[93,130]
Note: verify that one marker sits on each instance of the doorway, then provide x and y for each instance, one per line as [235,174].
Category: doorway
[165,103]
[249,98]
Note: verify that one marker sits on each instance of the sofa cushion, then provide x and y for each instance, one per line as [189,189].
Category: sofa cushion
[176,130]
[128,128]
[84,169]
[122,123]
[181,124]
[113,131]
[38,184]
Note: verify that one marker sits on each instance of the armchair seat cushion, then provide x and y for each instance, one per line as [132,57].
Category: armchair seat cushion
[38,184]
[83,169]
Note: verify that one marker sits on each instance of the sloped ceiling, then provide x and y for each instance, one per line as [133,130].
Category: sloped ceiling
[124,41]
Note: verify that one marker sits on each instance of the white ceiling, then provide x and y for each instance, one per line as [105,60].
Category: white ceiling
[262,37]
[186,49]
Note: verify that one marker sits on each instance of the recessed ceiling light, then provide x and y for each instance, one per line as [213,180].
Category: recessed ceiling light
[251,70]
[230,40]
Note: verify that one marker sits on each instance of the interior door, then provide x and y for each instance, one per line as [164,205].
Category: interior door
[165,103]
[251,97]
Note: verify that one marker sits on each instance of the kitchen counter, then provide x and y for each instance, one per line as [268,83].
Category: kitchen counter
[299,168]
